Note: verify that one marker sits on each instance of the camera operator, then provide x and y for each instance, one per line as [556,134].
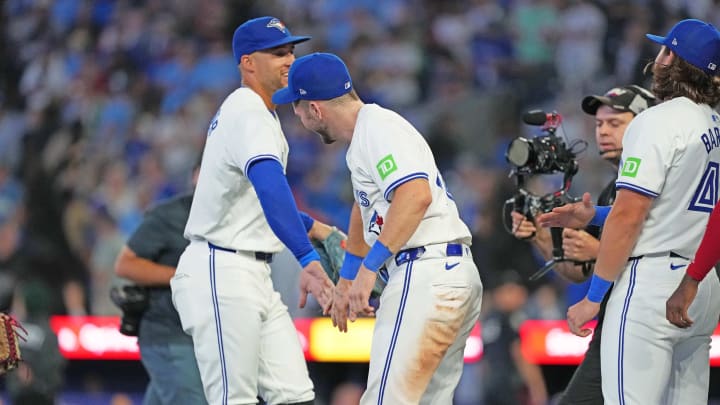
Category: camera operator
[149,260]
[613,112]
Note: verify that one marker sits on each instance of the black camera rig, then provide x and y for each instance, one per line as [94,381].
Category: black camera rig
[544,154]
[133,300]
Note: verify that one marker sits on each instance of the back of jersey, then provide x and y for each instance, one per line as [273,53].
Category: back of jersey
[671,152]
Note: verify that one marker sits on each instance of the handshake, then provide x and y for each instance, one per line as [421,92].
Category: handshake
[330,290]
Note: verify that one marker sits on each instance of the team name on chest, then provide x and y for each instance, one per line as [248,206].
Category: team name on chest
[711,139]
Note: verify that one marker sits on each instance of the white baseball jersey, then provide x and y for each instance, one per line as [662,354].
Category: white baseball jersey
[671,152]
[680,169]
[225,210]
[387,151]
[244,340]
[415,358]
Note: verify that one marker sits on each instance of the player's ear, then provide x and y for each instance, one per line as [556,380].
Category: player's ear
[315,109]
[667,56]
[247,63]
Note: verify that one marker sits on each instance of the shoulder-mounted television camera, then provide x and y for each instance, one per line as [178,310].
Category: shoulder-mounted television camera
[544,154]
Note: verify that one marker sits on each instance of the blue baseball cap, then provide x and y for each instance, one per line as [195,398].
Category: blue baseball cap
[695,41]
[318,76]
[262,33]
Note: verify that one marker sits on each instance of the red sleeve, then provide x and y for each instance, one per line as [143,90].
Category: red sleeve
[708,254]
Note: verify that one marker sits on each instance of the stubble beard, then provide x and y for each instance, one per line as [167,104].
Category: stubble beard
[324,134]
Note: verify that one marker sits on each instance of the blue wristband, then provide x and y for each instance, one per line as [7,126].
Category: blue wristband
[598,288]
[601,213]
[351,265]
[309,257]
[377,256]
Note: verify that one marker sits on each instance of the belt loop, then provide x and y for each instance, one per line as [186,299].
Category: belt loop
[264,257]
[408,255]
[454,249]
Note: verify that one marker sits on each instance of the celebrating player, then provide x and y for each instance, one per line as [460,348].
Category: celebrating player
[242,213]
[613,112]
[666,187]
[403,210]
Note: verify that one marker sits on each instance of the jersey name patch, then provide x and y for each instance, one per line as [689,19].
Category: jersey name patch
[630,167]
[386,166]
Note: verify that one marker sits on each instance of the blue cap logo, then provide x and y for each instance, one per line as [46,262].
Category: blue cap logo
[275,23]
[318,76]
[262,33]
[695,41]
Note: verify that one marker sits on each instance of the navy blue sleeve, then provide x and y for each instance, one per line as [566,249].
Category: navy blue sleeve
[277,202]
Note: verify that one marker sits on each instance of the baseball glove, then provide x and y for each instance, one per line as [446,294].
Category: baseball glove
[332,255]
[10,355]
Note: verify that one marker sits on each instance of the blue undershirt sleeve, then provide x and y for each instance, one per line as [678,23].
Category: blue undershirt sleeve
[601,213]
[307,220]
[277,202]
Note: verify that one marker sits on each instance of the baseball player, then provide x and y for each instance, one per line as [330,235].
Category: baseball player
[707,256]
[667,185]
[405,219]
[242,213]
[613,111]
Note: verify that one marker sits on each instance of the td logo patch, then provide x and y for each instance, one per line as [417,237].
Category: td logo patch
[630,167]
[386,166]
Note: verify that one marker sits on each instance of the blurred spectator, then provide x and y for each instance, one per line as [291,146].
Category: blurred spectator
[40,376]
[580,32]
[107,246]
[11,260]
[508,378]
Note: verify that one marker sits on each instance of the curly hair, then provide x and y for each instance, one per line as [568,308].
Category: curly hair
[681,79]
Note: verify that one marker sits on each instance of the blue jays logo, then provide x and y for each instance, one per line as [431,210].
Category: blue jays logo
[275,23]
[376,223]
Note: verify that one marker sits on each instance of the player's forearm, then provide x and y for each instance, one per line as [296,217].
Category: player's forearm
[319,230]
[708,254]
[142,271]
[543,243]
[355,243]
[571,271]
[621,232]
[410,202]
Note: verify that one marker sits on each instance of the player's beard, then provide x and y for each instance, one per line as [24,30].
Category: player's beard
[322,130]
[661,76]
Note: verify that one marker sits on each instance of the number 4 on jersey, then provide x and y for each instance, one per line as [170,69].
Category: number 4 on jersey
[706,194]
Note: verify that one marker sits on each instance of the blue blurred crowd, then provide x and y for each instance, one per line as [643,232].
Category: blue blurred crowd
[104,107]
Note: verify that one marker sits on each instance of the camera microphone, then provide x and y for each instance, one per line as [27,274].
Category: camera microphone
[540,117]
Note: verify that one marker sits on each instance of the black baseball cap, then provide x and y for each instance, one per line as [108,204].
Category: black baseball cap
[632,98]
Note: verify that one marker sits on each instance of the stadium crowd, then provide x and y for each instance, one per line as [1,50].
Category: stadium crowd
[104,108]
